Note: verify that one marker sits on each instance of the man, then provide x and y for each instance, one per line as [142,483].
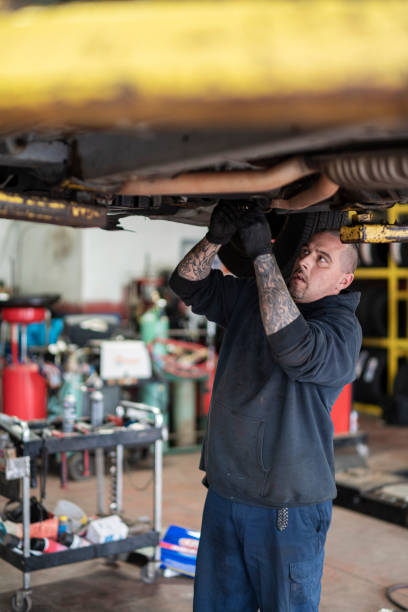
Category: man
[268,453]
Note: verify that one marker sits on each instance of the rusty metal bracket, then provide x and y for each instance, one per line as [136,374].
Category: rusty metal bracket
[363,230]
[47,210]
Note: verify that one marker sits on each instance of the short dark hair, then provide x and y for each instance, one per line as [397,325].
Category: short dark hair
[350,256]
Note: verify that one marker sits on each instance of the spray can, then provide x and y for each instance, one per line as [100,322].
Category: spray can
[69,413]
[45,545]
[72,540]
[97,412]
[37,545]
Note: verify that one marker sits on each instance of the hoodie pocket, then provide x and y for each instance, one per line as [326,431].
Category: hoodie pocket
[234,448]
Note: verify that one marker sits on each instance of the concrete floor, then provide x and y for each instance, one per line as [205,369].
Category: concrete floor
[363,555]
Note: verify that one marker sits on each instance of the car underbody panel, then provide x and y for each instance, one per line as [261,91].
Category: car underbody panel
[163,108]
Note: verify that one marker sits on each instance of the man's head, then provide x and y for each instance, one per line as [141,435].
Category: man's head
[323,267]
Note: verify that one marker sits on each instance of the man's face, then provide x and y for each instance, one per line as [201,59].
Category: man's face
[319,269]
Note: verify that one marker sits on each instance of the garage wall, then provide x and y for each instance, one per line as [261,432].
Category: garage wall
[49,260]
[8,236]
[89,266]
[112,259]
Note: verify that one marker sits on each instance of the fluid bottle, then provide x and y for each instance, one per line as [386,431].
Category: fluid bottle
[69,413]
[96,408]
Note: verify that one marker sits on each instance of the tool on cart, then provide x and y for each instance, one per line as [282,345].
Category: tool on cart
[28,445]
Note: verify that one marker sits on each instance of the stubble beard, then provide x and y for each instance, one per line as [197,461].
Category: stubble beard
[297,293]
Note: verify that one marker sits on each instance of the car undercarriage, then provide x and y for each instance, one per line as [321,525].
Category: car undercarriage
[163,109]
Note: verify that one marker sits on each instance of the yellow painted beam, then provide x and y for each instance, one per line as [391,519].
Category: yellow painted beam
[374,233]
[368,408]
[372,273]
[256,61]
[46,210]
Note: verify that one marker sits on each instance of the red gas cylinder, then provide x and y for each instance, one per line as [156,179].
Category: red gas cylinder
[341,411]
[24,392]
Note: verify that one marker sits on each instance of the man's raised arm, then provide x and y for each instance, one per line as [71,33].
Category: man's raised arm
[275,302]
[196,265]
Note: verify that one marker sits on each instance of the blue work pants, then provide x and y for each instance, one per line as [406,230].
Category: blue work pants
[245,563]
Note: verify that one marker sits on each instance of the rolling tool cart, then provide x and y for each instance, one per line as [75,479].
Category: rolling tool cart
[29,444]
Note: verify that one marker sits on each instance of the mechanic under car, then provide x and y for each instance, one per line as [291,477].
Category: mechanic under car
[268,451]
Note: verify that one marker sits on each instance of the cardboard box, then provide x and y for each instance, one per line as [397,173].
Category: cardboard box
[179,549]
[124,359]
[108,529]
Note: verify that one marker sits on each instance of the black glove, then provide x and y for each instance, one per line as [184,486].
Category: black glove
[255,232]
[224,223]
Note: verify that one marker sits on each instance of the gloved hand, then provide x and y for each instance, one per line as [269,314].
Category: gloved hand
[224,222]
[255,232]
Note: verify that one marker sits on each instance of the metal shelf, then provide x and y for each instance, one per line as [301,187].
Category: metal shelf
[29,443]
[65,557]
[395,346]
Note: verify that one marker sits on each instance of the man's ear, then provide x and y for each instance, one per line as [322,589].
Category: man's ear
[346,281]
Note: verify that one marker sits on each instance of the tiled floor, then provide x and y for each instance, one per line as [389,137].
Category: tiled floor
[363,555]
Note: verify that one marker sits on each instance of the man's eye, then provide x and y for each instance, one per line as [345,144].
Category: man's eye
[323,259]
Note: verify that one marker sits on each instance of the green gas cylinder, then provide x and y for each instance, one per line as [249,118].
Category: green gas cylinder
[155,324]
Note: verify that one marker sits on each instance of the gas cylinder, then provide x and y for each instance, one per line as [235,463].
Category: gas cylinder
[24,389]
[24,392]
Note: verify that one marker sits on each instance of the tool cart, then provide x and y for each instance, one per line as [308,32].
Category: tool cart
[29,444]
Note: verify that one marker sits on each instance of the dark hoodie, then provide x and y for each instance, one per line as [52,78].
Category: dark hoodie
[269,439]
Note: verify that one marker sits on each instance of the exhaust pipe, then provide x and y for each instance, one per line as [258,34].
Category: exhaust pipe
[206,183]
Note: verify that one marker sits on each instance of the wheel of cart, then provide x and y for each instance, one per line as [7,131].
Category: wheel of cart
[150,569]
[21,601]
[150,572]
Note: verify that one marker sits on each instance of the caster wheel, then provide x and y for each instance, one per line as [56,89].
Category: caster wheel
[76,467]
[149,573]
[21,603]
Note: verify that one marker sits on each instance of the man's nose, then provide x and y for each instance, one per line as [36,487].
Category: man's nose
[305,261]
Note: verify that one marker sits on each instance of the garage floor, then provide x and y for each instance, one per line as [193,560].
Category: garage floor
[363,555]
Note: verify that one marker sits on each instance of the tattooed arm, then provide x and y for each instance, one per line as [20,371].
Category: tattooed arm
[276,304]
[196,265]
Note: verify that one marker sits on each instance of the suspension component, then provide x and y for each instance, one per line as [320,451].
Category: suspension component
[363,230]
[47,210]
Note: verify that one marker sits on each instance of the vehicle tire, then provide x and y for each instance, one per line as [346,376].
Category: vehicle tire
[372,311]
[399,253]
[374,255]
[290,234]
[370,387]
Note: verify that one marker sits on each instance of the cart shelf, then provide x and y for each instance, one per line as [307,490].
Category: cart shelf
[94,551]
[30,444]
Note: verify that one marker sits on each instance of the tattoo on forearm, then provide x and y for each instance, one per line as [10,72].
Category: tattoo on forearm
[276,304]
[196,265]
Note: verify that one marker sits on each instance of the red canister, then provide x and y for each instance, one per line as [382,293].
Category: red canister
[24,392]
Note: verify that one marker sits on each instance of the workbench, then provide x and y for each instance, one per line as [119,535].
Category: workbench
[30,444]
